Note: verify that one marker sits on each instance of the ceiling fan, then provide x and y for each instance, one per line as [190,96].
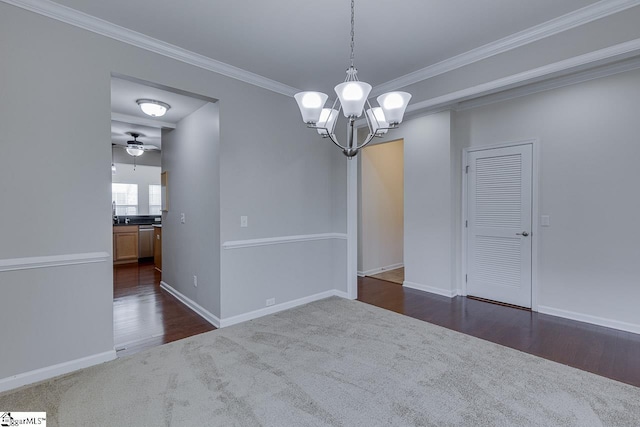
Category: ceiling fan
[136,148]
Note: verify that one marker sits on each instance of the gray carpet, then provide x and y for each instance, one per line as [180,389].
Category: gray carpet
[331,363]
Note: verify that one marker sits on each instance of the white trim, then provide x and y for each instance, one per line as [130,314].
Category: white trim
[535,224]
[233,320]
[197,308]
[555,83]
[49,372]
[438,291]
[13,264]
[141,121]
[587,318]
[380,269]
[572,65]
[462,285]
[601,63]
[236,244]
[554,26]
[99,26]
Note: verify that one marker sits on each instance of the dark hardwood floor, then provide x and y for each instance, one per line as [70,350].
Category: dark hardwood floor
[603,351]
[145,315]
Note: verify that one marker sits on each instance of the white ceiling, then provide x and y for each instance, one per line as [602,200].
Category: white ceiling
[305,44]
[124,94]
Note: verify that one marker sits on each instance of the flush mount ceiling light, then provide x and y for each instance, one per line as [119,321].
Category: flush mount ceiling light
[153,108]
[135,148]
[352,100]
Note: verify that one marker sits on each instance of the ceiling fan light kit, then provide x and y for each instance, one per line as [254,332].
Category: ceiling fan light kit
[353,101]
[135,148]
[152,107]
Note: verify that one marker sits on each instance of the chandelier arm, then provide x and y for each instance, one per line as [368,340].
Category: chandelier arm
[332,137]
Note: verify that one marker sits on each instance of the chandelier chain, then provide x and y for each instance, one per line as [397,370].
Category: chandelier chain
[352,30]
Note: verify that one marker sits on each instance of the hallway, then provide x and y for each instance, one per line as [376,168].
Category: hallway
[144,315]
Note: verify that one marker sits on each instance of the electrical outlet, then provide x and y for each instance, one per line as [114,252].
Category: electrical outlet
[244,221]
[183,218]
[271,301]
[195,281]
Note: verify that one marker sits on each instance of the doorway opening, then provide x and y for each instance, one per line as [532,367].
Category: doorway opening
[381,212]
[150,154]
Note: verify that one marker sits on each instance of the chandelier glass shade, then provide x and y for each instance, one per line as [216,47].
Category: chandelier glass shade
[352,100]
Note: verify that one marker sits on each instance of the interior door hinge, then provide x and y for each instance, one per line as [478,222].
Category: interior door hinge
[466,169]
[466,224]
[466,278]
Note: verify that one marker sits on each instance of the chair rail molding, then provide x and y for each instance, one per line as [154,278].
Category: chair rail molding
[237,244]
[28,263]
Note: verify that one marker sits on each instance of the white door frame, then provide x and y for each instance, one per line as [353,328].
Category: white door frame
[535,214]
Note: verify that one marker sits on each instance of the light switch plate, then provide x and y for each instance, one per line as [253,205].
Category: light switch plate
[545,220]
[244,221]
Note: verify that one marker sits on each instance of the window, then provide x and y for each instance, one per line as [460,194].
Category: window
[125,197]
[155,200]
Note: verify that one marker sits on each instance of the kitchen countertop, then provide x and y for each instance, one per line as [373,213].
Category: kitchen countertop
[148,223]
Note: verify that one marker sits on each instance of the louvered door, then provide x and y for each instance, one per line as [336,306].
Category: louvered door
[499,224]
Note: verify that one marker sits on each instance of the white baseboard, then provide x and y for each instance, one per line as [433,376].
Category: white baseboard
[587,318]
[380,269]
[49,372]
[280,307]
[438,291]
[342,294]
[200,310]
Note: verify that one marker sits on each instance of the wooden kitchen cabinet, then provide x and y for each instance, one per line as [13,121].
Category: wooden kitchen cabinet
[157,248]
[125,244]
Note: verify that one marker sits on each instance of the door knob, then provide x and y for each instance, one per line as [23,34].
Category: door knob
[524,233]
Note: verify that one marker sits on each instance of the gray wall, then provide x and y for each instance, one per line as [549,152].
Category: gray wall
[381,193]
[588,168]
[272,169]
[191,158]
[588,136]
[428,204]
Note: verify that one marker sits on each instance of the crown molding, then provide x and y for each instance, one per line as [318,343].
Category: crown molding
[614,59]
[99,26]
[557,25]
[558,82]
[576,64]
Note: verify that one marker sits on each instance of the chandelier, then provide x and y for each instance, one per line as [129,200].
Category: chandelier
[352,101]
